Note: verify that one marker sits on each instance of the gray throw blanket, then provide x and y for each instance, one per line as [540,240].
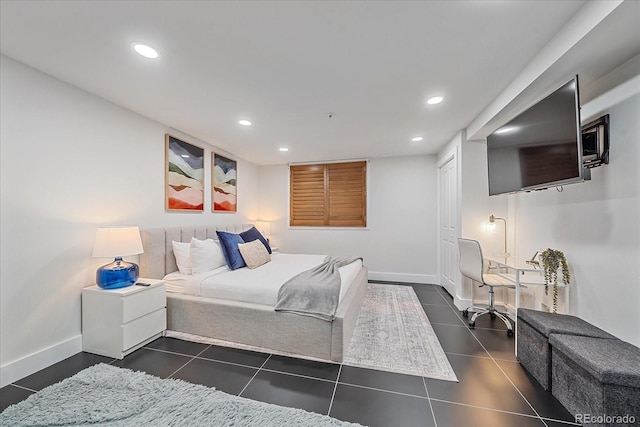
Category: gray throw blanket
[314,292]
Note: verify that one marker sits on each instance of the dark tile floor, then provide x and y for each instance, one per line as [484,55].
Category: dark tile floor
[493,389]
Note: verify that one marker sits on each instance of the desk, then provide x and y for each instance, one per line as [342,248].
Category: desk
[520,273]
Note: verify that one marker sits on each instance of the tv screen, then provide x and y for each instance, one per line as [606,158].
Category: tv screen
[540,148]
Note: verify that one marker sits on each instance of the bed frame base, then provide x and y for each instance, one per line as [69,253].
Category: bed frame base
[245,323]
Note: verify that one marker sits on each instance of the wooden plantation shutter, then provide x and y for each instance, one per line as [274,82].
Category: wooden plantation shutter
[347,194]
[307,202]
[332,194]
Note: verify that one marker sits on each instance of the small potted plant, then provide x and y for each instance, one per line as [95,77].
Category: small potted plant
[552,260]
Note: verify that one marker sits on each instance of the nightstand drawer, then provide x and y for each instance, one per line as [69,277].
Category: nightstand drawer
[140,329]
[141,303]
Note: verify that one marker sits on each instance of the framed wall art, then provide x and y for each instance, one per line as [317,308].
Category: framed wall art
[224,186]
[184,176]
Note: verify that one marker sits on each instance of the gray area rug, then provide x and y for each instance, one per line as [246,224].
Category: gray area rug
[393,334]
[105,395]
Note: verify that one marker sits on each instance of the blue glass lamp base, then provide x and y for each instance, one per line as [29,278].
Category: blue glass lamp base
[118,274]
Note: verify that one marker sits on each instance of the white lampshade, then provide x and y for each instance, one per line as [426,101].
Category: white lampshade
[264,227]
[117,242]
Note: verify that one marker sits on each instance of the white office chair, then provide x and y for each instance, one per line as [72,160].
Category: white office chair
[472,266]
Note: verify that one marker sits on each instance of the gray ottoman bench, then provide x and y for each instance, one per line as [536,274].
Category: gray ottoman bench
[534,328]
[597,378]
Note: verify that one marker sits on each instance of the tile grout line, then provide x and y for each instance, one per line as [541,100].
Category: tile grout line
[22,387]
[569,423]
[335,387]
[226,362]
[464,326]
[189,361]
[487,409]
[292,374]
[433,414]
[208,359]
[382,390]
[175,352]
[434,304]
[254,375]
[241,365]
[480,357]
[455,310]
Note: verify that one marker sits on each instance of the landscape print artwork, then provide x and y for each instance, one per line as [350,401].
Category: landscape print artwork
[184,175]
[224,189]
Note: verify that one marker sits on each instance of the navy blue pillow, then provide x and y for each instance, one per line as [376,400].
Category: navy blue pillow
[229,243]
[253,234]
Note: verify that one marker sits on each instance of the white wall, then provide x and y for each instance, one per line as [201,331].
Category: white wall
[70,162]
[476,209]
[596,223]
[476,205]
[400,241]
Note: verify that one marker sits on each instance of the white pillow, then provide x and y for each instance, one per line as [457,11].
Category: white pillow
[254,253]
[206,255]
[181,252]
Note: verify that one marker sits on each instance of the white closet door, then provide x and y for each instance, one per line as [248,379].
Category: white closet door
[448,225]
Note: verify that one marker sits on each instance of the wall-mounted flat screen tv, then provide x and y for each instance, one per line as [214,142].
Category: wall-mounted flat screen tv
[541,147]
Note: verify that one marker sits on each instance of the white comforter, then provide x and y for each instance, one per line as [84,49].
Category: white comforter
[260,285]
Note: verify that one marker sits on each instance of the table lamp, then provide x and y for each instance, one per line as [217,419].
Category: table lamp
[265,228]
[117,242]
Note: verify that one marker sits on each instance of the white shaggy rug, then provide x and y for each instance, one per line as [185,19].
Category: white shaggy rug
[104,395]
[393,334]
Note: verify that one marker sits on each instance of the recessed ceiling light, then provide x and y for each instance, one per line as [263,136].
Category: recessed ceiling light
[146,51]
[435,100]
[245,122]
[283,149]
[417,139]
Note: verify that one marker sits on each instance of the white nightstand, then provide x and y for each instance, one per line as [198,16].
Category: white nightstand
[117,322]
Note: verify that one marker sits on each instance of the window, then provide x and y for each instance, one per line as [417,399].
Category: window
[332,194]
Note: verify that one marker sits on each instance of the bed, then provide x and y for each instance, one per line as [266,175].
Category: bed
[248,323]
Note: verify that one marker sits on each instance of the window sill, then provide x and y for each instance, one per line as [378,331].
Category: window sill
[326,228]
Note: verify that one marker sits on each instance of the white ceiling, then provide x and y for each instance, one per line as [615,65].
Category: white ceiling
[285,65]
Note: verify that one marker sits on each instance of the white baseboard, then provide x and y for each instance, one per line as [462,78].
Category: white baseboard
[25,366]
[461,303]
[403,277]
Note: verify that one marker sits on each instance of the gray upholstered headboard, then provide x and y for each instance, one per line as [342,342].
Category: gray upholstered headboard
[158,259]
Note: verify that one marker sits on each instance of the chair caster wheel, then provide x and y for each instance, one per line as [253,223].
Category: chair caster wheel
[509,332]
[465,313]
[472,325]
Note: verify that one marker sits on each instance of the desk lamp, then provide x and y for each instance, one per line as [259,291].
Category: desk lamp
[492,226]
